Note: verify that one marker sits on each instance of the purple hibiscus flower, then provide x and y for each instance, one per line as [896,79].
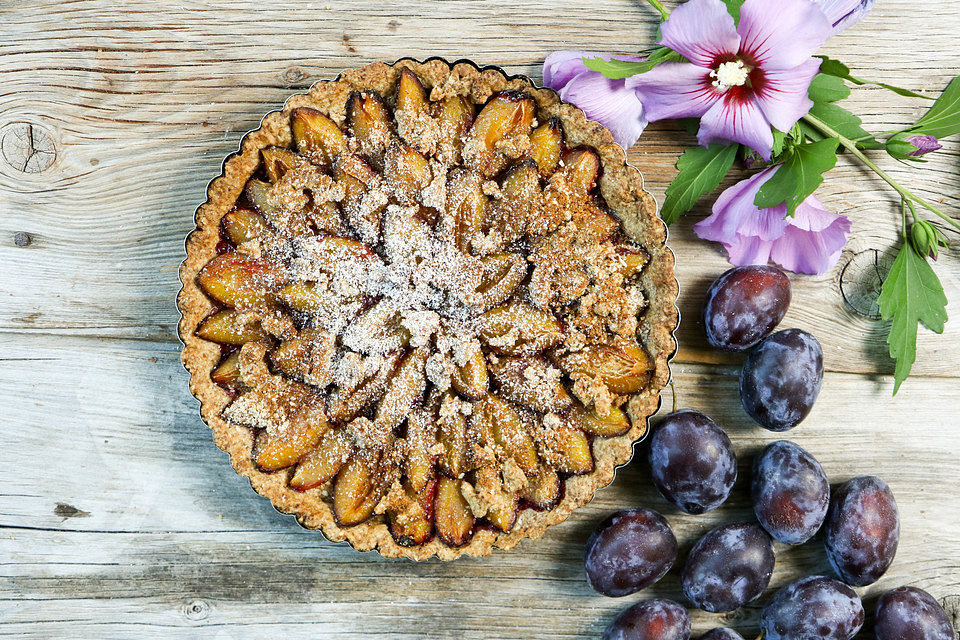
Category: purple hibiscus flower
[606,101]
[741,78]
[809,242]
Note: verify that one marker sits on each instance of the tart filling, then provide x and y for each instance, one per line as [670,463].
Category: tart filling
[429,317]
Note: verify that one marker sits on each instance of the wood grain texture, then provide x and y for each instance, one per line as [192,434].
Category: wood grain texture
[118,516]
[141,514]
[142,108]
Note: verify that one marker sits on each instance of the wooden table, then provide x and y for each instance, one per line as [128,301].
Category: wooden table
[118,516]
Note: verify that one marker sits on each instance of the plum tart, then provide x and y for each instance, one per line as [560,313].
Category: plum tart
[428,309]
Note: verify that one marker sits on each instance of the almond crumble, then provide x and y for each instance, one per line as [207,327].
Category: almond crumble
[431,315]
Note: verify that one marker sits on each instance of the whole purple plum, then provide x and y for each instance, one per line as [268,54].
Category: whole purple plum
[790,492]
[781,379]
[692,461]
[909,613]
[629,551]
[728,567]
[863,530]
[744,305]
[811,608]
[651,620]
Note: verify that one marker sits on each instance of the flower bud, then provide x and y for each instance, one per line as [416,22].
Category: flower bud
[904,147]
[927,239]
[924,145]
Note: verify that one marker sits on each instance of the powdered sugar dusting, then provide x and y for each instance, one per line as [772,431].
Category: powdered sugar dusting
[427,267]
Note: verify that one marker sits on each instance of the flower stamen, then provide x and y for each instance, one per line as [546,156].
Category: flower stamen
[730,74]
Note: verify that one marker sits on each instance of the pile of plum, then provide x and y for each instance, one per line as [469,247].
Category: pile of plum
[694,468]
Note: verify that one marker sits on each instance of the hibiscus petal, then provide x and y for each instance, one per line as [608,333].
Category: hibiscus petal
[766,224]
[717,226]
[811,215]
[811,252]
[733,119]
[782,96]
[727,215]
[845,13]
[782,34]
[561,67]
[735,216]
[749,250]
[610,103]
[813,241]
[701,31]
[674,90]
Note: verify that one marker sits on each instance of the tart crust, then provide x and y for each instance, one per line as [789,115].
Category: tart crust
[621,185]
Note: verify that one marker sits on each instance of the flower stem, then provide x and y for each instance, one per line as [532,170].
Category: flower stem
[851,146]
[656,4]
[903,217]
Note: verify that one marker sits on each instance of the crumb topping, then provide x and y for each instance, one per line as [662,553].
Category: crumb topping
[421,283]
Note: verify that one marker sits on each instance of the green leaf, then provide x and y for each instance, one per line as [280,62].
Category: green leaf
[836,68]
[620,69]
[615,69]
[845,123]
[701,170]
[691,125]
[779,139]
[799,176]
[733,6]
[811,133]
[911,294]
[943,118]
[826,88]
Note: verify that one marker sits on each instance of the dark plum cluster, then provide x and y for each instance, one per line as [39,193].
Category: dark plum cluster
[694,468]
[783,373]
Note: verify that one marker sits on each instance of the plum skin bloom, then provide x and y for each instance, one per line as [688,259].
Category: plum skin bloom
[810,242]
[603,100]
[740,78]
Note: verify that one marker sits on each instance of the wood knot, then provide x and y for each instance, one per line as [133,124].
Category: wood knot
[292,76]
[348,44]
[860,282]
[27,147]
[65,511]
[196,610]
[951,604]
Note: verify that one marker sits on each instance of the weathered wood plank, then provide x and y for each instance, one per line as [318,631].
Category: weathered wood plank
[138,458]
[293,585]
[140,108]
[118,516]
[122,513]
